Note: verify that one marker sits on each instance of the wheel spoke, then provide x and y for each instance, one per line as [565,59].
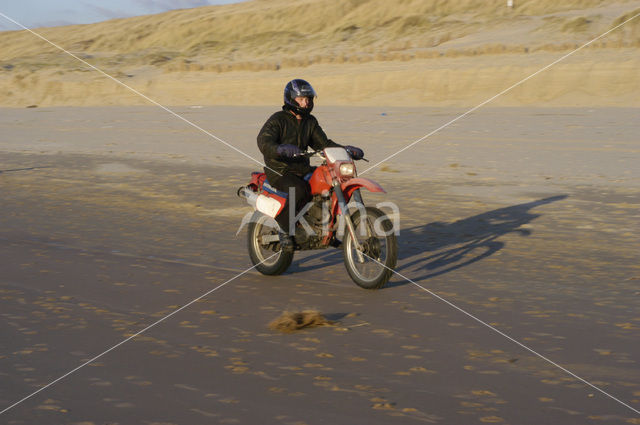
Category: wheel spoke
[265,242]
[372,248]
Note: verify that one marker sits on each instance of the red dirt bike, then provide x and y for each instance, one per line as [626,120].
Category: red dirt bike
[369,243]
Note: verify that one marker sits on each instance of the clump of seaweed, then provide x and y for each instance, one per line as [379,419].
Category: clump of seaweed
[290,321]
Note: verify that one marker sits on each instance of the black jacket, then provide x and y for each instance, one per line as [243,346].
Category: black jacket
[283,128]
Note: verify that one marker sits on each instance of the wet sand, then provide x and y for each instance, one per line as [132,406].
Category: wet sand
[527,218]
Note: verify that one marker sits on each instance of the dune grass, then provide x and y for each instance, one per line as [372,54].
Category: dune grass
[272,36]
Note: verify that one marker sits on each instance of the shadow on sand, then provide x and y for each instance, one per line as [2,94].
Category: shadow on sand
[463,242]
[21,169]
[450,246]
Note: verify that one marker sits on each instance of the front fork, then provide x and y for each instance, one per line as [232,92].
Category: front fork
[347,219]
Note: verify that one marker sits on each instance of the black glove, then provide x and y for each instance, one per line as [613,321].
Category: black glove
[356,153]
[288,151]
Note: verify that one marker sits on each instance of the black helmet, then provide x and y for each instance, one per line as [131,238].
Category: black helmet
[298,88]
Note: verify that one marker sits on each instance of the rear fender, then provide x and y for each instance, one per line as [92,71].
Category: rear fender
[257,179]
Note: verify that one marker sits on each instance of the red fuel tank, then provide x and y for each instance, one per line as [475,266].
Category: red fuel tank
[320,180]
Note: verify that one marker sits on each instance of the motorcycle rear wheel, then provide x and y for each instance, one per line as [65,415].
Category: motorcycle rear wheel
[375,234]
[262,253]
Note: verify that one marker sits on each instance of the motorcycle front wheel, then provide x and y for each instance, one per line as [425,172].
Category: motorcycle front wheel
[264,246]
[375,234]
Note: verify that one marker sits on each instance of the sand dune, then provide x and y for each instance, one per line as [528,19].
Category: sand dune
[415,52]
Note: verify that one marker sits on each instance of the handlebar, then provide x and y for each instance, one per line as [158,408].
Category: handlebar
[309,154]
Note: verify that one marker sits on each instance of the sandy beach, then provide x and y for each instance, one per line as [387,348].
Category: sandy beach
[525,218]
[518,223]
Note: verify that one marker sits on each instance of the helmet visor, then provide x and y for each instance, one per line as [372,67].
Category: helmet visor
[302,89]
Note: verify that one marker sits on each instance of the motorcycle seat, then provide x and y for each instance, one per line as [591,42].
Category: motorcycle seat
[272,190]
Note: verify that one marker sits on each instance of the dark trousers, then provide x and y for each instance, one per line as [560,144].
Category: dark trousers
[299,194]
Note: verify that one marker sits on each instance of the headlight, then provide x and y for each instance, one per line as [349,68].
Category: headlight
[346,170]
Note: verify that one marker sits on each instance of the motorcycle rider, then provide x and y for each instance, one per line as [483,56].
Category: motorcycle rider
[285,135]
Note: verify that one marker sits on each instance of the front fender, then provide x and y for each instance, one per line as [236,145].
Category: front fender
[356,183]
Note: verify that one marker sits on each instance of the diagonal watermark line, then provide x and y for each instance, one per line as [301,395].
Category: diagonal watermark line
[503,334]
[175,114]
[498,95]
[134,335]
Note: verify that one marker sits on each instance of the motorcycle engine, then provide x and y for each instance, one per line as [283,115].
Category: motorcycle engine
[316,216]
